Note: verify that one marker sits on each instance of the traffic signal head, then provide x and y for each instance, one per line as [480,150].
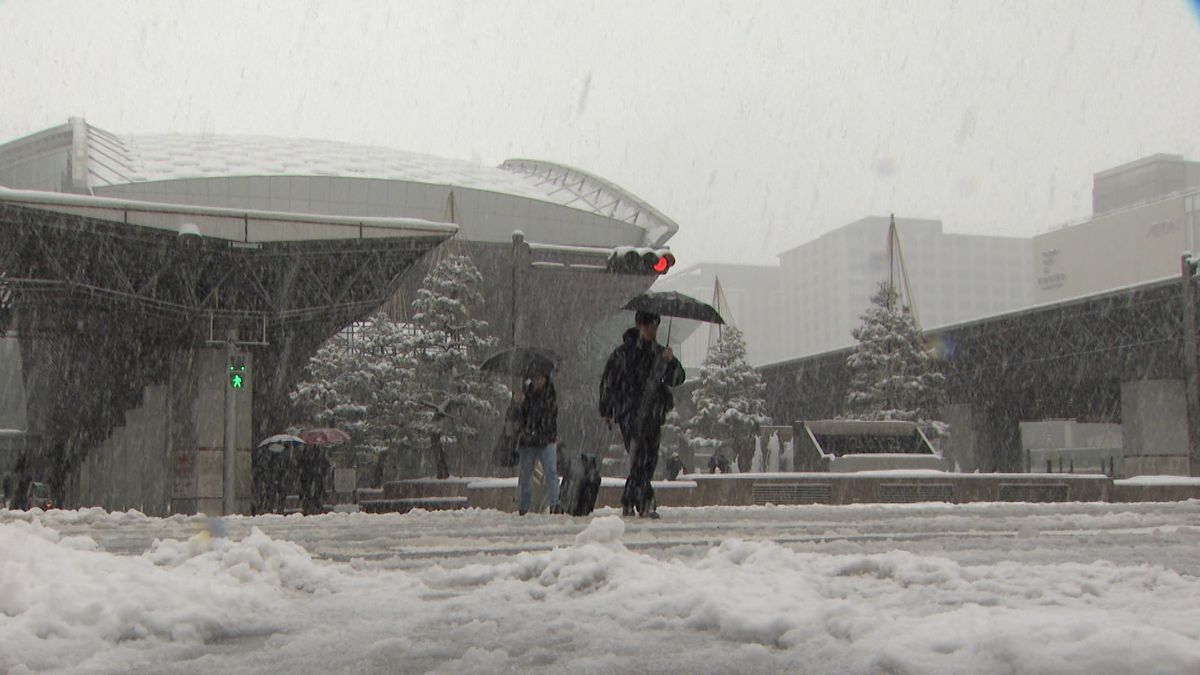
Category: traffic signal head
[640,261]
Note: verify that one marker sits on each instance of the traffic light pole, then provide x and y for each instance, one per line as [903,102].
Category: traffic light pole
[230,455]
[520,260]
[589,259]
[1191,374]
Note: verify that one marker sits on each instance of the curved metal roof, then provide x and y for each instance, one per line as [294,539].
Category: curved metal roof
[121,159]
[580,189]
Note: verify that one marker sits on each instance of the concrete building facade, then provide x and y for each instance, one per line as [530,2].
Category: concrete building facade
[827,283]
[817,294]
[1145,214]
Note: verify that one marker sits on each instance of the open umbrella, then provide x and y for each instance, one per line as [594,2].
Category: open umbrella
[672,304]
[324,436]
[521,361]
[278,442]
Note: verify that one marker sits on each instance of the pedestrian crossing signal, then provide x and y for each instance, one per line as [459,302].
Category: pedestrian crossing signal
[237,372]
[626,260]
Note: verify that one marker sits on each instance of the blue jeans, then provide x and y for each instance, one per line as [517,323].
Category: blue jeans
[547,455]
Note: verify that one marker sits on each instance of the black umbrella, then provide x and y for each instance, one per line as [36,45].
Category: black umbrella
[672,304]
[521,361]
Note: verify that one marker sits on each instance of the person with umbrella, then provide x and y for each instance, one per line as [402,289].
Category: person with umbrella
[312,465]
[518,362]
[537,438]
[269,471]
[635,391]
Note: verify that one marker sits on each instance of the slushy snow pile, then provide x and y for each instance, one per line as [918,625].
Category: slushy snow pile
[251,603]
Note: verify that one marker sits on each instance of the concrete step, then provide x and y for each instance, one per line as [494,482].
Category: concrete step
[501,493]
[415,488]
[406,505]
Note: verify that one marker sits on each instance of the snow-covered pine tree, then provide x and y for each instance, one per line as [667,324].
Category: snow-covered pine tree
[893,375]
[357,382]
[323,397]
[385,346]
[728,400]
[674,441]
[450,393]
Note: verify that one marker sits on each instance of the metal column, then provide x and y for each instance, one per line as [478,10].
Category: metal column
[230,454]
[1192,381]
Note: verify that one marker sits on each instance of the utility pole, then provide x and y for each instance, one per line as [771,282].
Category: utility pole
[520,262]
[230,455]
[1191,378]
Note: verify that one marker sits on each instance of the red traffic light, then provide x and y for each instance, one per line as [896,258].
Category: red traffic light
[625,260]
[663,264]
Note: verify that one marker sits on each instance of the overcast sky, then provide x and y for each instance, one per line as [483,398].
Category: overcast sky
[756,126]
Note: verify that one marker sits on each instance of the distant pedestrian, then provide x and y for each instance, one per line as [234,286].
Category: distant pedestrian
[635,391]
[538,440]
[717,463]
[312,466]
[674,466]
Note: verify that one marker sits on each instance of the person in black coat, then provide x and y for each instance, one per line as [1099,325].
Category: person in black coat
[537,439]
[635,392]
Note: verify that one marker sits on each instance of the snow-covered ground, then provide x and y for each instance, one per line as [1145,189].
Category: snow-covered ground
[979,588]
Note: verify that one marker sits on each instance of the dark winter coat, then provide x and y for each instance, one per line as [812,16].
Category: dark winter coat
[625,382]
[539,417]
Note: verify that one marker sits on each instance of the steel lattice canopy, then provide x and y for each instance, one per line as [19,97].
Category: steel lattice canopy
[181,262]
[1066,359]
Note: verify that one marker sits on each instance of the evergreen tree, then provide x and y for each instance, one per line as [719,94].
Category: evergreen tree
[728,399]
[357,382]
[384,347]
[450,393]
[673,441]
[322,397]
[393,385]
[893,375]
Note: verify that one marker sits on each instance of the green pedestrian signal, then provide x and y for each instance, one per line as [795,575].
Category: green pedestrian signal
[237,372]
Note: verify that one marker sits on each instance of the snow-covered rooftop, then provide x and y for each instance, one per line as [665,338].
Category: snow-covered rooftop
[119,159]
[115,160]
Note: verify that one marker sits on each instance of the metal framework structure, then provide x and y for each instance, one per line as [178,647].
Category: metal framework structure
[103,308]
[601,196]
[1066,360]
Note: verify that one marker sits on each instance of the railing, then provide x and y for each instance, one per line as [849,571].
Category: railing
[1108,461]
